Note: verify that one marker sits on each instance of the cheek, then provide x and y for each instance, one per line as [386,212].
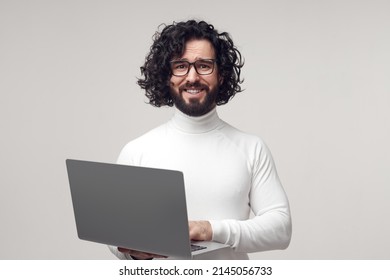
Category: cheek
[214,81]
[174,82]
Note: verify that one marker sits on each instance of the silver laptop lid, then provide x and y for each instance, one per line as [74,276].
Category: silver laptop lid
[131,207]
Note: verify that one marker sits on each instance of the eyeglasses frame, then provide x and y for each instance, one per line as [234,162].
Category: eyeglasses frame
[190,64]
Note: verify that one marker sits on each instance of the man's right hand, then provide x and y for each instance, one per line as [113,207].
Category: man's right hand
[139,255]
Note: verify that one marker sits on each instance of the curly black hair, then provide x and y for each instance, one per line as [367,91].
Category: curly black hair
[170,43]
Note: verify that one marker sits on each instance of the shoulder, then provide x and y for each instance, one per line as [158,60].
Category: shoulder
[136,147]
[253,147]
[258,154]
[242,138]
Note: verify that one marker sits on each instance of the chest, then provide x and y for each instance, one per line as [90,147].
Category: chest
[217,173]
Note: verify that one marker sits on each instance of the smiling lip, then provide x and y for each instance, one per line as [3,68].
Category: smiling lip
[193,91]
[193,88]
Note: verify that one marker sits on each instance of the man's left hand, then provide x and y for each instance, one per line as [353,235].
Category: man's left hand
[200,230]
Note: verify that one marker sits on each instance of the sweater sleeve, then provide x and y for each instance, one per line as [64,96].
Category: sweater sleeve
[270,228]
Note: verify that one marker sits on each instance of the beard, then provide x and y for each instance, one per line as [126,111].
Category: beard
[195,107]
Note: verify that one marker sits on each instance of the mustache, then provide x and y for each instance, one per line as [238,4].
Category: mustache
[196,85]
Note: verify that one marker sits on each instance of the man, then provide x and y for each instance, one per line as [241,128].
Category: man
[227,173]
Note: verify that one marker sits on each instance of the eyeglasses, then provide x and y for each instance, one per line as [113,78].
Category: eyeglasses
[202,67]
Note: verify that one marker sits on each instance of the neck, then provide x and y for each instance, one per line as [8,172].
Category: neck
[201,124]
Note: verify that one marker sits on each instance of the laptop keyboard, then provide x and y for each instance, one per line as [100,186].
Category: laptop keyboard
[197,247]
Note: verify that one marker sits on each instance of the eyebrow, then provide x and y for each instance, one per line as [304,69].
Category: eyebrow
[198,58]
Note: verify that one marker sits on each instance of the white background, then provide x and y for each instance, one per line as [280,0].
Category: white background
[317,91]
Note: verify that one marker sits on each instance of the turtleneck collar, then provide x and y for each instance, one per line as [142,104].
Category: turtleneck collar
[202,124]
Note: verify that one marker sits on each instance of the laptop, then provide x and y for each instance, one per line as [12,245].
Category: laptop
[133,207]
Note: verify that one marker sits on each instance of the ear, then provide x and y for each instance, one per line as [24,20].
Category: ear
[220,80]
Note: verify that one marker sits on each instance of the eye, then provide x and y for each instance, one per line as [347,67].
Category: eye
[204,65]
[179,65]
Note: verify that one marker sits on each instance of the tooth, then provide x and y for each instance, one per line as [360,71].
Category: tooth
[193,91]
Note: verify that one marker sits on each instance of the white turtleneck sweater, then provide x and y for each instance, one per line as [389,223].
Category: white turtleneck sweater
[227,175]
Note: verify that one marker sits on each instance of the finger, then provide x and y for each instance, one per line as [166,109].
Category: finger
[138,254]
[123,250]
[200,230]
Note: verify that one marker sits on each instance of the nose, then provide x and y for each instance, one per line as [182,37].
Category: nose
[192,75]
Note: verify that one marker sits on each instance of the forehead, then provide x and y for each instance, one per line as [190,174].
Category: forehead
[197,49]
